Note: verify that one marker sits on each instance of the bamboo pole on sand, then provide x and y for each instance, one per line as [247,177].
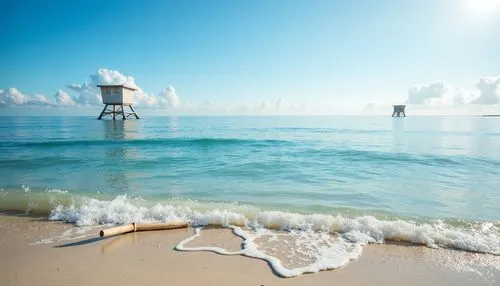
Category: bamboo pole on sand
[133,227]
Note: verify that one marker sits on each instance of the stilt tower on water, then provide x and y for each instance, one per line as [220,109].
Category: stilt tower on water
[398,110]
[115,98]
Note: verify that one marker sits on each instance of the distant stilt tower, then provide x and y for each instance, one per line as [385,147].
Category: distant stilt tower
[398,109]
[116,97]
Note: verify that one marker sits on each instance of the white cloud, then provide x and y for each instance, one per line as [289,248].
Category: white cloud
[426,94]
[12,97]
[489,88]
[143,99]
[168,97]
[438,93]
[89,93]
[63,99]
[38,99]
[105,76]
[462,96]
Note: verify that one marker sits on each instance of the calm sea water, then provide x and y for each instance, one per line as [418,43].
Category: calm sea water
[438,167]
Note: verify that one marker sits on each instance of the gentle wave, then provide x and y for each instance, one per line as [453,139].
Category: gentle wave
[313,150]
[137,142]
[403,158]
[365,131]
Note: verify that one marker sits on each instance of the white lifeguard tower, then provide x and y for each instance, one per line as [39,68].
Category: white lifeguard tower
[398,110]
[117,96]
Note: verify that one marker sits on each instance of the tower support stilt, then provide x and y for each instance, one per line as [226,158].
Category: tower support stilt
[398,110]
[114,110]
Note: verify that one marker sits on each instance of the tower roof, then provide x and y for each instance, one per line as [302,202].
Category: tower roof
[117,85]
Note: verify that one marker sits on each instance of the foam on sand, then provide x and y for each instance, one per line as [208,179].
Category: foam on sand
[323,250]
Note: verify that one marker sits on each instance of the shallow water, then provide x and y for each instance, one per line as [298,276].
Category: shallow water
[426,180]
[416,166]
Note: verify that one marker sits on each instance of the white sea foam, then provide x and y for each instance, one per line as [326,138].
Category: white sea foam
[180,246]
[476,237]
[126,210]
[69,234]
[56,191]
[324,251]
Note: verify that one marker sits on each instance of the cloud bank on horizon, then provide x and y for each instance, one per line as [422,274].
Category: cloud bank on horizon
[439,93]
[88,94]
[434,95]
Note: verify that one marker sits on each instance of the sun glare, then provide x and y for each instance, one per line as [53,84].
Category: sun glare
[482,8]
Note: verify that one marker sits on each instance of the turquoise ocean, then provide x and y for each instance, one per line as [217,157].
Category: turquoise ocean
[426,180]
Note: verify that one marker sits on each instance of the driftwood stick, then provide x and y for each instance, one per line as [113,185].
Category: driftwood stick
[133,227]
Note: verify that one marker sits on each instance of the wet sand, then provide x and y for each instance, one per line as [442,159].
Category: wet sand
[149,258]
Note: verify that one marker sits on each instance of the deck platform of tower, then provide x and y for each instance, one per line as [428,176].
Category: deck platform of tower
[398,110]
[115,98]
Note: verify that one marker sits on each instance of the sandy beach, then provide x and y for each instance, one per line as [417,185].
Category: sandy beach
[149,258]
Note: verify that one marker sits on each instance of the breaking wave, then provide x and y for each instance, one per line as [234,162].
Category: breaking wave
[483,237]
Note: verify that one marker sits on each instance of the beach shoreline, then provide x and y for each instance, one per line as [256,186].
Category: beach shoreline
[149,258]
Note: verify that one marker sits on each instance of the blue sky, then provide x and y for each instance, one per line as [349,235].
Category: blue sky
[256,54]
